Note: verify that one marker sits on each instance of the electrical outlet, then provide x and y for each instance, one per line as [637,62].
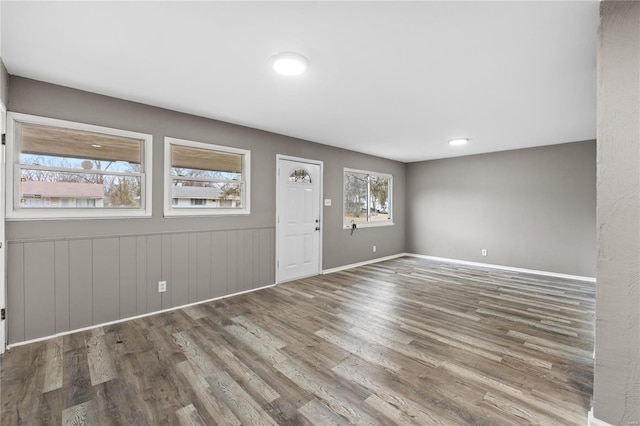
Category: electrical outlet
[374,249]
[484,252]
[162,286]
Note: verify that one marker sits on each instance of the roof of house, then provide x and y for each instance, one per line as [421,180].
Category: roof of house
[62,189]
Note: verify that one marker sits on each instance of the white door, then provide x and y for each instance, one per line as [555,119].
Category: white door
[298,219]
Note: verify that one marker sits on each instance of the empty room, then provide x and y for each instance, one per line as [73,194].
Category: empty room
[320,213]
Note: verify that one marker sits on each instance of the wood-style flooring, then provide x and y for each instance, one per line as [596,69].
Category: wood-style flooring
[406,341]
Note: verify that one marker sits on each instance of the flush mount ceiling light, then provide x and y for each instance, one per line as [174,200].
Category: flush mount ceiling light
[289,63]
[458,142]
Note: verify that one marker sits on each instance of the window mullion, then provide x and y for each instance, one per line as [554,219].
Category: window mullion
[77,171]
[368,198]
[203,179]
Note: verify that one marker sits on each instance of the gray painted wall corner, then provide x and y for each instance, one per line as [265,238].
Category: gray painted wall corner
[4,84]
[531,208]
[616,398]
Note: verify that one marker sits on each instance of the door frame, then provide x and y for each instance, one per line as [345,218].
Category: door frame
[3,243]
[320,207]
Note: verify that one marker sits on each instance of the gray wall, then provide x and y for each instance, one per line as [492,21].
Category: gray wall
[530,208]
[81,272]
[617,365]
[4,84]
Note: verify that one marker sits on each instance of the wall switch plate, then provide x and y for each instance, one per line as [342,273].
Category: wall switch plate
[327,202]
[162,286]
[484,252]
[375,248]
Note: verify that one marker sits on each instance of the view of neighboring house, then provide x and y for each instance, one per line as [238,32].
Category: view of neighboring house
[61,194]
[187,196]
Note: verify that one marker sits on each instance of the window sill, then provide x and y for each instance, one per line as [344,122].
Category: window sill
[75,215]
[205,212]
[347,226]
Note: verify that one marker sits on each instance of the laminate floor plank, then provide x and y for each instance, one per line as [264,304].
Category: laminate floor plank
[244,375]
[50,403]
[387,401]
[80,415]
[189,416]
[244,407]
[53,376]
[319,414]
[407,341]
[338,399]
[23,386]
[217,412]
[101,367]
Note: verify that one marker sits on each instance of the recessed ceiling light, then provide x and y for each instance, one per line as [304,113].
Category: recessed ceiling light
[458,142]
[289,63]
[95,145]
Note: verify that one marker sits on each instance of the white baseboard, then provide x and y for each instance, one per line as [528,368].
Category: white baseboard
[64,333]
[366,262]
[592,421]
[502,267]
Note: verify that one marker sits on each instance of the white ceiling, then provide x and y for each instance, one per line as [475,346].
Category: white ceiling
[393,79]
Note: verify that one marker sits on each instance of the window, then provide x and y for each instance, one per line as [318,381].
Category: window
[367,198]
[60,170]
[205,179]
[300,176]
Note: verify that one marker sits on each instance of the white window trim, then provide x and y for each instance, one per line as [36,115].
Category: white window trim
[15,213]
[170,211]
[375,224]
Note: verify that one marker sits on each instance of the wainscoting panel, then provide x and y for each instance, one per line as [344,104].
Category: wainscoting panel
[154,272]
[219,264]
[141,275]
[56,286]
[106,279]
[80,283]
[15,292]
[62,285]
[39,293]
[178,271]
[128,274]
[204,266]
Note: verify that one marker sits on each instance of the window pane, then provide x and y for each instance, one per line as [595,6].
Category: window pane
[40,188]
[205,174]
[194,194]
[300,176]
[379,202]
[78,163]
[355,197]
[367,197]
[57,147]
